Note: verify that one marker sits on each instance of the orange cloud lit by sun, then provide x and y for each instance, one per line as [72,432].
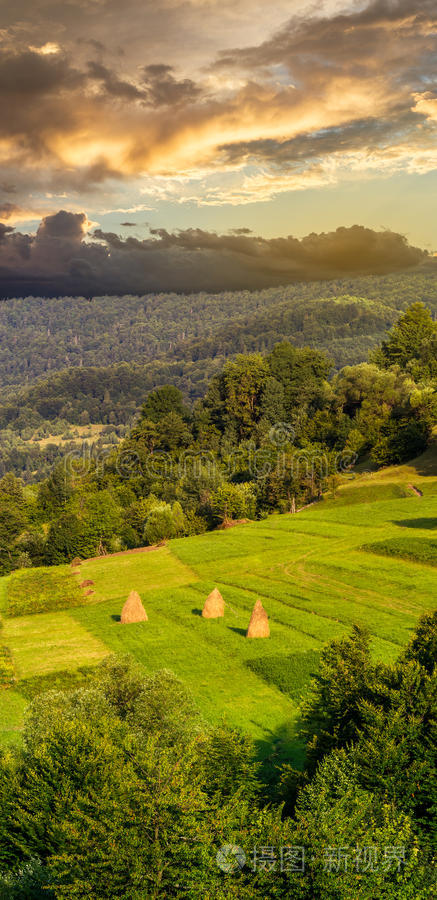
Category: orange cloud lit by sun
[149,142]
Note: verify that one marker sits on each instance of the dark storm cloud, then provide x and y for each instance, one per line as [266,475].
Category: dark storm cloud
[159,86]
[8,209]
[4,230]
[57,259]
[62,226]
[28,73]
[114,86]
[33,108]
[163,89]
[97,45]
[385,33]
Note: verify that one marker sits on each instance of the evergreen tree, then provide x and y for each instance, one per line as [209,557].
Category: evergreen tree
[412,343]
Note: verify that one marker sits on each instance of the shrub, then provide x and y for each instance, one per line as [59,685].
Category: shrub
[178,519]
[234,501]
[32,543]
[130,537]
[194,524]
[24,561]
[159,525]
[164,522]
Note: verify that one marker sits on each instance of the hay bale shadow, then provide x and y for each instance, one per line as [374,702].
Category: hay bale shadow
[238,630]
[116,618]
[196,612]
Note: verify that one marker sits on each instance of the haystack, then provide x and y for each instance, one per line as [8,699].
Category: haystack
[133,610]
[259,622]
[76,562]
[214,605]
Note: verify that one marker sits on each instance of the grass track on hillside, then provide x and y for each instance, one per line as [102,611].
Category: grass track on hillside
[312,577]
[32,591]
[50,642]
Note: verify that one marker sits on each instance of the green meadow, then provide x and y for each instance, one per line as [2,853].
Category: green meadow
[317,573]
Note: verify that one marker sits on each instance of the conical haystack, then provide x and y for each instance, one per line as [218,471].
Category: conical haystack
[259,622]
[214,605]
[133,610]
[76,562]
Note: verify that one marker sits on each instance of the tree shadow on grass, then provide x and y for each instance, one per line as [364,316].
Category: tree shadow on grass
[430,523]
[282,747]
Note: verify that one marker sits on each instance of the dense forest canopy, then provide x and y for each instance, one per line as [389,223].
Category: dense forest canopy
[39,336]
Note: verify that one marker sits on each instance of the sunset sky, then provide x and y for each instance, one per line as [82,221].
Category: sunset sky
[281,118]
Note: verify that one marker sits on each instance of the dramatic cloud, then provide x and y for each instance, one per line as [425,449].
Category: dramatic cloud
[213,104]
[113,85]
[60,259]
[29,74]
[7,210]
[163,89]
[328,95]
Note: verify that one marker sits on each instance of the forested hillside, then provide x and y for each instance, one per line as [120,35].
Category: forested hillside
[40,336]
[271,433]
[69,362]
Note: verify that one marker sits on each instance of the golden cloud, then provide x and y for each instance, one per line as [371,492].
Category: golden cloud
[76,125]
[426,104]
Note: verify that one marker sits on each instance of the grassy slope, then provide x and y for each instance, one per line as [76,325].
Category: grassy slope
[309,571]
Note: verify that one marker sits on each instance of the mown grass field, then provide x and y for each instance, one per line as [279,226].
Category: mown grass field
[312,574]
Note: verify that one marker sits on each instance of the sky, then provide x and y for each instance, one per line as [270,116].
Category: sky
[200,144]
